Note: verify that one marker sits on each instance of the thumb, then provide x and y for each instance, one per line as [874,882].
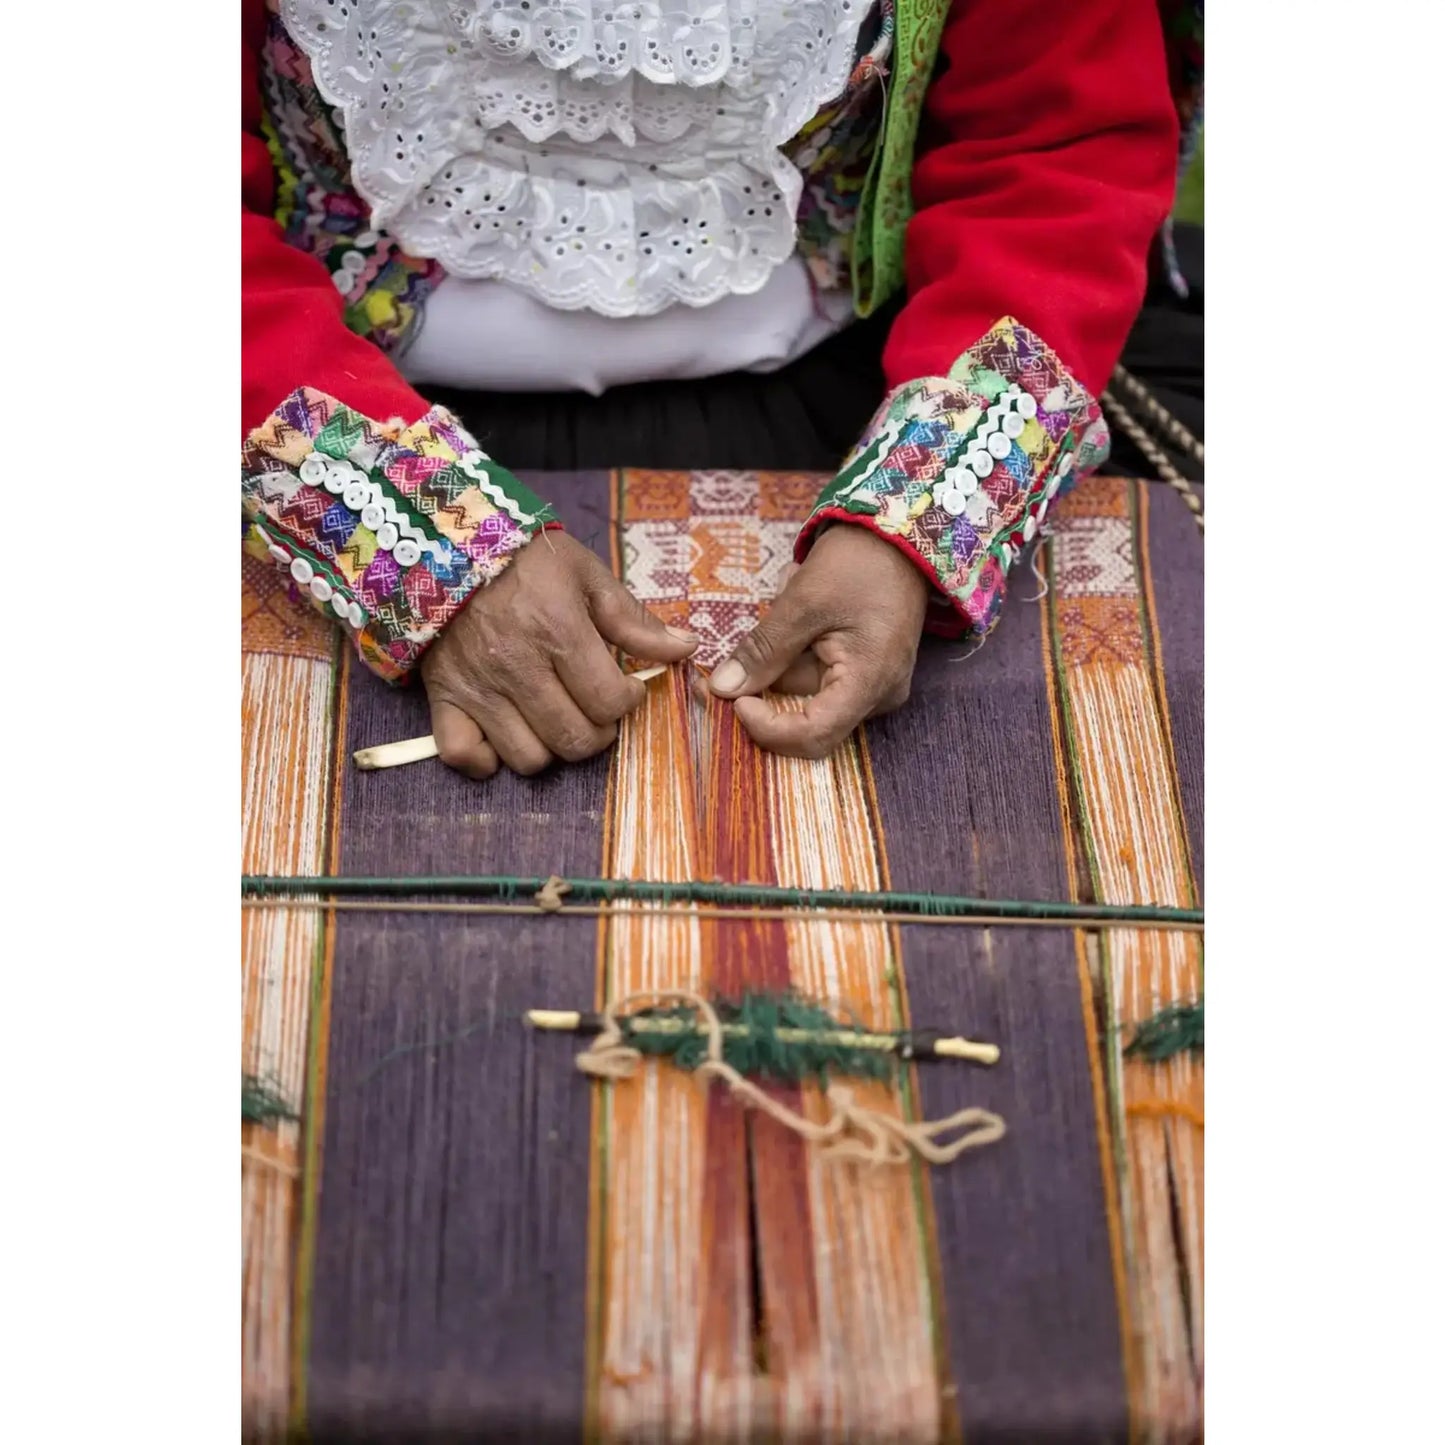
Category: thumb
[766,653]
[626,623]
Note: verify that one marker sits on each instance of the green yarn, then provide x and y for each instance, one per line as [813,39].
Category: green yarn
[1171,1031]
[507,888]
[751,1044]
[262,1102]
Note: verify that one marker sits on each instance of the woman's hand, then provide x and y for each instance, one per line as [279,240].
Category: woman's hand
[844,629]
[523,675]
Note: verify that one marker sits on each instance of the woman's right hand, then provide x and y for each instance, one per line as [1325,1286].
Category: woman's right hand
[523,675]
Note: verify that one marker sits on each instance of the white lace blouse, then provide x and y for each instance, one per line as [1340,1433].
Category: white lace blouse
[586,159]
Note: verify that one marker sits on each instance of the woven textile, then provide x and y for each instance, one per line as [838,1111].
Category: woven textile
[470,1240]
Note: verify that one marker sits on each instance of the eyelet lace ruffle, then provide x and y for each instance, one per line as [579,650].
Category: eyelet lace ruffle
[616,157]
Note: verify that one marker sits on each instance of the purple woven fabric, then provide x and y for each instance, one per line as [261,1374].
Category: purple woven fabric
[451,1249]
[1175,550]
[448,1294]
[1033,1329]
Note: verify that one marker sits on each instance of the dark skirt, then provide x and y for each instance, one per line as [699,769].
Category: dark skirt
[806,416]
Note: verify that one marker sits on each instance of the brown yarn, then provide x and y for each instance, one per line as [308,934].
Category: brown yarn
[852,1132]
[1165,1109]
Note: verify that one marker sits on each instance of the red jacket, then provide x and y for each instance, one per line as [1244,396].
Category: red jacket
[1048,171]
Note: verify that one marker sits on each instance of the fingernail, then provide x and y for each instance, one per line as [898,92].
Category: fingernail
[681,635]
[729,677]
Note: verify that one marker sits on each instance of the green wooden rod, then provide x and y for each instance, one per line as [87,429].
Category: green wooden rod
[590,890]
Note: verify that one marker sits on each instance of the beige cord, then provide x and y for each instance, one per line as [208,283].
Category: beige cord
[1168,473]
[1164,419]
[851,1131]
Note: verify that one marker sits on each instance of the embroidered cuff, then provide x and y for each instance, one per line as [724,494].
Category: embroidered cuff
[959,472]
[388,529]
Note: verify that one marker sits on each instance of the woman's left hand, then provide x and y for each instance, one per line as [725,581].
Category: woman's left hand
[844,629]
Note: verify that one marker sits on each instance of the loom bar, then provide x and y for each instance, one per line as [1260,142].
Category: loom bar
[582,890]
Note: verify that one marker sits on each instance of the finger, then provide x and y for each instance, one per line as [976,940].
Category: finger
[460,743]
[802,679]
[627,624]
[511,736]
[787,574]
[845,700]
[597,685]
[562,726]
[765,654]
[804,676]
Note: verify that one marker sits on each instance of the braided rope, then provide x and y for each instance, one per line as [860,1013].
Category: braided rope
[1119,416]
[1162,418]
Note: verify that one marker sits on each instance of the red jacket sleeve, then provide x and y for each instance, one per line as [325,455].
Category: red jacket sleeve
[292,331]
[1048,171]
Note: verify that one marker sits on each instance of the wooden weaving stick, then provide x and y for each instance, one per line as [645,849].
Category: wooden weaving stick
[418,750]
[908,1046]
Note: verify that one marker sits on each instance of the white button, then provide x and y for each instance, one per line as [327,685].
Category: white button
[999,445]
[354,262]
[966,482]
[321,589]
[980,462]
[366,238]
[342,280]
[337,479]
[1005,555]
[372,516]
[406,552]
[387,536]
[354,615]
[302,570]
[357,495]
[1043,511]
[314,469]
[1013,425]
[1030,528]
[339,606]
[1027,407]
[1067,465]
[280,554]
[1053,487]
[953,501]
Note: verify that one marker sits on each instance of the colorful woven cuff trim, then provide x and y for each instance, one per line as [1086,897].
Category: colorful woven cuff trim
[960,472]
[389,529]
